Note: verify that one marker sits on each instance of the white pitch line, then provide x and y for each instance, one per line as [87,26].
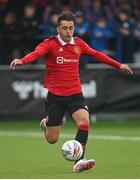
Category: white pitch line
[67,135]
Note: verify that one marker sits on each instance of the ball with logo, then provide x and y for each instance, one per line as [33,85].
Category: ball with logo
[72,150]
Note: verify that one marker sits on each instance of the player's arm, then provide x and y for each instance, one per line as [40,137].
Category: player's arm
[39,51]
[87,50]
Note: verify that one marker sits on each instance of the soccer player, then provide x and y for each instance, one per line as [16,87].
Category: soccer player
[62,53]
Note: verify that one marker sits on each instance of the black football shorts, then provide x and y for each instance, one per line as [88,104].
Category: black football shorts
[56,106]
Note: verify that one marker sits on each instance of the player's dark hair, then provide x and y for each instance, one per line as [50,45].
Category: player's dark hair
[66,15]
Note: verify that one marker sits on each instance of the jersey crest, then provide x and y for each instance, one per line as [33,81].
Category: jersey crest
[76,50]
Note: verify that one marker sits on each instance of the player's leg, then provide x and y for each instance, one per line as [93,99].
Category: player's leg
[51,133]
[80,114]
[79,111]
[81,118]
[52,123]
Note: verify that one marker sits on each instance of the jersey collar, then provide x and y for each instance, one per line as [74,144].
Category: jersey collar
[63,43]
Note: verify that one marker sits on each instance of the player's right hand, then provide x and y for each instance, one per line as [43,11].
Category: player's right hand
[15,62]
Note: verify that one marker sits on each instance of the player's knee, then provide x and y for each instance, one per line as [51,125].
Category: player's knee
[84,121]
[51,140]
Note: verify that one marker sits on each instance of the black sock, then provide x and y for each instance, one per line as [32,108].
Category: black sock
[82,137]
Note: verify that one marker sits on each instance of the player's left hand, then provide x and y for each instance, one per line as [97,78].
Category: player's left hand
[126,68]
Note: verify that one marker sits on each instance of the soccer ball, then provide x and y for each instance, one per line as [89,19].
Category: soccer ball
[72,150]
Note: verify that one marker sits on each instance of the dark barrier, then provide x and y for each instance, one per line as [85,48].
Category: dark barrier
[106,90]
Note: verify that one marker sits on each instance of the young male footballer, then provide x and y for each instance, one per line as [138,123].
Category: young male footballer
[62,53]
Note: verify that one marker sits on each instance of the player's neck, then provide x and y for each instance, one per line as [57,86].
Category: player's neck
[61,39]
[65,40]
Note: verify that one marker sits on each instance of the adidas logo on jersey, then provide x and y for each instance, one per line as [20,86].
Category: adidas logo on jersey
[61,49]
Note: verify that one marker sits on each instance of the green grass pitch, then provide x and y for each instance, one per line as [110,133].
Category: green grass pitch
[24,153]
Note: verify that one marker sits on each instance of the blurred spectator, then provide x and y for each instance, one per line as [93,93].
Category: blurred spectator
[3,2]
[96,11]
[136,9]
[137,31]
[101,35]
[81,30]
[81,26]
[48,26]
[9,27]
[137,42]
[40,6]
[46,13]
[59,5]
[125,6]
[9,34]
[77,6]
[3,5]
[124,37]
[29,22]
[29,29]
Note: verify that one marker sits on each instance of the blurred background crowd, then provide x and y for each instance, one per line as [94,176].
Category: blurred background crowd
[110,26]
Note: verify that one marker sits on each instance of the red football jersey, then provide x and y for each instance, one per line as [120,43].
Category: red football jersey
[62,63]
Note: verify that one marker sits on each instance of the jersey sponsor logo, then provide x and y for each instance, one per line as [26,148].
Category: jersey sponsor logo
[61,60]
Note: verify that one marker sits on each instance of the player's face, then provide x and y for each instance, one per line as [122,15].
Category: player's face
[66,30]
